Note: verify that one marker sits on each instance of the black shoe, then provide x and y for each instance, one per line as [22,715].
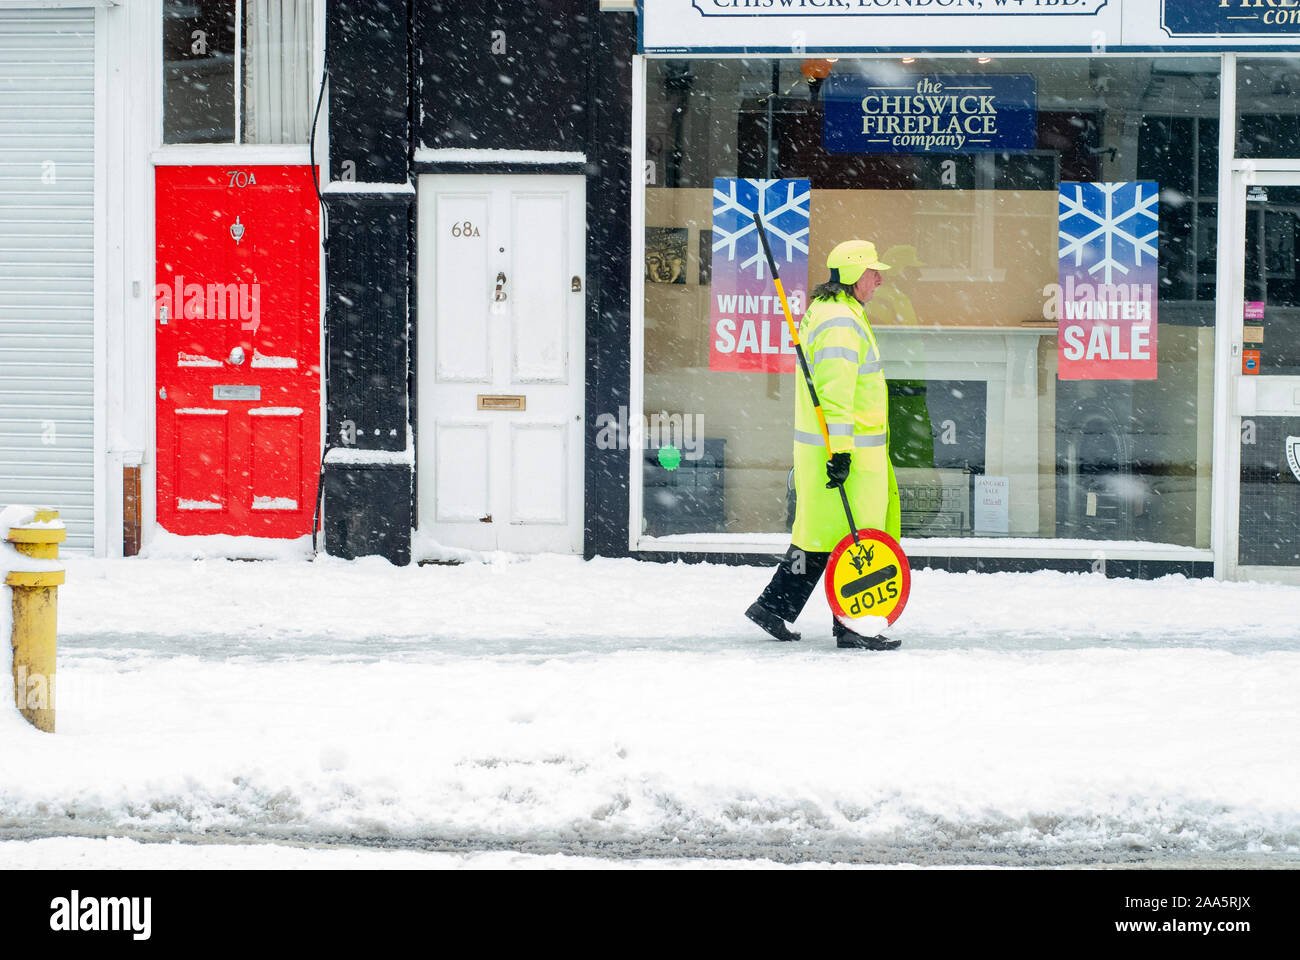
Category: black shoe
[770,622]
[848,640]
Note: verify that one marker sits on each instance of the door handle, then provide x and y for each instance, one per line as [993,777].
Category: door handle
[500,293]
[236,356]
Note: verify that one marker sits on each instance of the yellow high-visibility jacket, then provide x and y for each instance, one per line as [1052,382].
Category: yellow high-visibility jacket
[848,374]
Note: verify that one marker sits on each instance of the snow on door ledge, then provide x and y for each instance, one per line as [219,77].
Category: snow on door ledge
[164,545]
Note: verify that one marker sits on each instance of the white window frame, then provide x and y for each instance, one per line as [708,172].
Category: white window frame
[1232,236]
[165,154]
[1230,280]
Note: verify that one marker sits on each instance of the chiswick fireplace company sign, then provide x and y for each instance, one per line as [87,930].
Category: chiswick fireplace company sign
[795,27]
[941,114]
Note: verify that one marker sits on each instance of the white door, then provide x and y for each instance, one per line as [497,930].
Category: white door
[1264,499]
[47,261]
[500,351]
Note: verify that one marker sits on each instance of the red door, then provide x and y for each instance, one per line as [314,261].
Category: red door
[237,314]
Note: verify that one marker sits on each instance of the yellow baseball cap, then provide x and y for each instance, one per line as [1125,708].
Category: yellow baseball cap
[853,258]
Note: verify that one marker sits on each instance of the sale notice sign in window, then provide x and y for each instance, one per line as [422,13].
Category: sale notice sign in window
[1108,283]
[747,324]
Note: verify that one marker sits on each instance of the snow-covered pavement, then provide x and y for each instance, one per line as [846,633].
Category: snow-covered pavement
[626,709]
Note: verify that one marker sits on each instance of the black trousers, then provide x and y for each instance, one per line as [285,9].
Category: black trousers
[795,579]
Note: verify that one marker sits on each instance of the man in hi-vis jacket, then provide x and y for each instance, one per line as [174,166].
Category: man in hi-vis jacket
[849,376]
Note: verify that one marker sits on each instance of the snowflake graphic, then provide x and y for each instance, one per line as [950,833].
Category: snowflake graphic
[1109,227]
[784,205]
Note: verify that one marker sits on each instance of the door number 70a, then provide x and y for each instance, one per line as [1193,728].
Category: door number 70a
[241,178]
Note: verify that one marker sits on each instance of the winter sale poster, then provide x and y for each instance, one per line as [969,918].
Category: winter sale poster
[748,331]
[1108,280]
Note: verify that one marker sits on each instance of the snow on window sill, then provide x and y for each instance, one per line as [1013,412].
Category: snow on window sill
[476,155]
[241,153]
[986,546]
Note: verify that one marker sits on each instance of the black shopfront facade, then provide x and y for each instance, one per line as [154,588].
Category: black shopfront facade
[481,90]
[455,127]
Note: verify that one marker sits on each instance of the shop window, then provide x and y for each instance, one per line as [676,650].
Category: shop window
[1268,107]
[237,71]
[1189,194]
[964,321]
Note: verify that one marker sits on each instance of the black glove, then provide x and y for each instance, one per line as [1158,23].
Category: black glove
[837,469]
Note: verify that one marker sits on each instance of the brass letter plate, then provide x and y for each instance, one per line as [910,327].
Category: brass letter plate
[486,402]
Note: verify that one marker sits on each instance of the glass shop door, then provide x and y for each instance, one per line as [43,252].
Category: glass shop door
[1266,378]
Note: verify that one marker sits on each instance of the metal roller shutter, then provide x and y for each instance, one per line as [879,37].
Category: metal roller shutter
[47,223]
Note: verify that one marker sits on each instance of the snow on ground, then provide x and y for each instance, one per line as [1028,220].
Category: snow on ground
[625,709]
[563,604]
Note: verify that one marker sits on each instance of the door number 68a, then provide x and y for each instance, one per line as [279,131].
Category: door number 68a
[464,229]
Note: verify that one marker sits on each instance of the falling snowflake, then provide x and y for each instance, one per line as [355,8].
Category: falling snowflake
[1109,227]
[784,205]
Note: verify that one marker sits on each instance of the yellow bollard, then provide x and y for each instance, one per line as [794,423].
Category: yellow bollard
[36,604]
